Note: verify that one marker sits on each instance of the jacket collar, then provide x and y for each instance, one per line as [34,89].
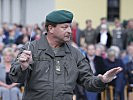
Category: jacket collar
[44,45]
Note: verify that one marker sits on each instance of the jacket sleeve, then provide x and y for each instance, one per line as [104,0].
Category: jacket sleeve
[86,78]
[16,74]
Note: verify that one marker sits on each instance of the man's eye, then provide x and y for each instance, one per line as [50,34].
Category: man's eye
[64,28]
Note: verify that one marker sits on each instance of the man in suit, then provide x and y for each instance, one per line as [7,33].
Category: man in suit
[104,36]
[97,66]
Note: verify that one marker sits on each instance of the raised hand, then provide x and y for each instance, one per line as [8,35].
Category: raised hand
[110,75]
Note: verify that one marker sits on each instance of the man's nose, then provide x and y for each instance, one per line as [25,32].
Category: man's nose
[69,30]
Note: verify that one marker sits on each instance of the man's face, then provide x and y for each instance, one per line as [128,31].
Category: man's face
[131,24]
[104,21]
[89,24]
[130,50]
[117,24]
[91,50]
[62,32]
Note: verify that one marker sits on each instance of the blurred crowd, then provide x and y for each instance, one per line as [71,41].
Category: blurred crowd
[104,48]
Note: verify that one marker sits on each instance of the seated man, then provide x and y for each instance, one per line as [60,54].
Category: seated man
[97,67]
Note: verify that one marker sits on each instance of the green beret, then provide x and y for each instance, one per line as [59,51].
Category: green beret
[59,16]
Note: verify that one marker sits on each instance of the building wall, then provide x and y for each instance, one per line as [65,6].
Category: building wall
[8,15]
[94,9]
[84,9]
[16,11]
[126,9]
[6,12]
[37,10]
[33,11]
[0,14]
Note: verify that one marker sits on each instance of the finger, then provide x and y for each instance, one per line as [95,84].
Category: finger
[21,59]
[100,76]
[27,52]
[114,71]
[114,77]
[119,70]
[25,55]
[25,58]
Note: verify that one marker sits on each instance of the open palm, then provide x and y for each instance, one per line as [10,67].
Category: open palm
[110,75]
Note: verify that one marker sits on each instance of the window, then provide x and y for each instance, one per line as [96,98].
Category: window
[113,10]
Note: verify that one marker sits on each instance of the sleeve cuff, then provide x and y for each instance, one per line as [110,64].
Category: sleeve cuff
[100,83]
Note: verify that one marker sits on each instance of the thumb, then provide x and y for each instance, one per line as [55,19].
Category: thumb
[100,76]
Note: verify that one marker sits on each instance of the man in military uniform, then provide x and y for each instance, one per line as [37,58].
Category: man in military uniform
[51,67]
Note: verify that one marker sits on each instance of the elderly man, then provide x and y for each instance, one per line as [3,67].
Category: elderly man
[51,67]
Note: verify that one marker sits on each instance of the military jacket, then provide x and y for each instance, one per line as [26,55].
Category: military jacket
[53,76]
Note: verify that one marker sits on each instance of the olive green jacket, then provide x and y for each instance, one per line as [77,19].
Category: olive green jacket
[54,76]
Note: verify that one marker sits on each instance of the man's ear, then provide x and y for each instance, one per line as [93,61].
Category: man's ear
[51,28]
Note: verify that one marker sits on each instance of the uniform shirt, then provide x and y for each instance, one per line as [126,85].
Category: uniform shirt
[103,39]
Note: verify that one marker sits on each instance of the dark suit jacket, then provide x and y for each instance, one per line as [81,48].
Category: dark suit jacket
[99,65]
[109,39]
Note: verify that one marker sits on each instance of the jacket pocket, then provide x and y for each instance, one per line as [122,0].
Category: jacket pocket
[42,70]
[71,73]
